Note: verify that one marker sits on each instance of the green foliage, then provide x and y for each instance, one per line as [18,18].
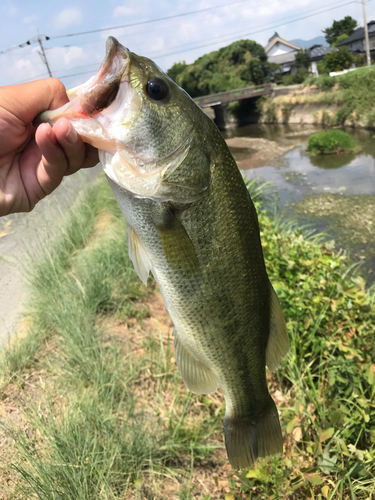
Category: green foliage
[286,111]
[331,141]
[345,26]
[240,64]
[176,69]
[268,111]
[325,82]
[299,77]
[288,80]
[337,60]
[303,59]
[339,39]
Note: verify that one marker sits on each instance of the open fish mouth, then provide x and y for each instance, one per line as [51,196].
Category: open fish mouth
[97,103]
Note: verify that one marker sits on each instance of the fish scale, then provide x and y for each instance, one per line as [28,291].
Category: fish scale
[192,223]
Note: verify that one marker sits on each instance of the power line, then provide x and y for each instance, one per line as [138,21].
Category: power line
[252,32]
[227,37]
[269,25]
[223,39]
[166,18]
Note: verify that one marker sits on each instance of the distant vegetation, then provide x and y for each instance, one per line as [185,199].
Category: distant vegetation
[334,33]
[331,141]
[348,99]
[240,64]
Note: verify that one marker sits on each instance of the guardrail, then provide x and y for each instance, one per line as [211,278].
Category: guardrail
[233,95]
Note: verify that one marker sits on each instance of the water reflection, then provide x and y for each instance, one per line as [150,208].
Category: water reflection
[298,177]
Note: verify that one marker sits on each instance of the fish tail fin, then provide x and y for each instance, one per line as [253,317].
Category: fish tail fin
[247,439]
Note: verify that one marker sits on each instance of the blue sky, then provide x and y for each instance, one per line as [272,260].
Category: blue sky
[169,41]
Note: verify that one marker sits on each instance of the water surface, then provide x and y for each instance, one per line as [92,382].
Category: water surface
[332,193]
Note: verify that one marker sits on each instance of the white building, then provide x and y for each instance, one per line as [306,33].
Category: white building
[282,52]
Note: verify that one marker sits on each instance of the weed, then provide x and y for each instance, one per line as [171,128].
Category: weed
[331,141]
[286,111]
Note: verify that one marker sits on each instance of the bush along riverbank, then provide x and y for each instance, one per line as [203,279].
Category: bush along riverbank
[332,142]
[92,405]
[348,99]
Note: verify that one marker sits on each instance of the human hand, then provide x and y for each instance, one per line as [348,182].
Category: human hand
[34,161]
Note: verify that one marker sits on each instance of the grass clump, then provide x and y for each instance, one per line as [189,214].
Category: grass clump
[102,411]
[331,142]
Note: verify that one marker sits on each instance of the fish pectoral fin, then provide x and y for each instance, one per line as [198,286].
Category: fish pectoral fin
[138,256]
[278,340]
[177,246]
[196,376]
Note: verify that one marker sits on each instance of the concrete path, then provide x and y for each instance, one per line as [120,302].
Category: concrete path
[23,235]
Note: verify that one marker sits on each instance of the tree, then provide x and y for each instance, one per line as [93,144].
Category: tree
[303,59]
[240,64]
[337,60]
[176,69]
[339,39]
[345,26]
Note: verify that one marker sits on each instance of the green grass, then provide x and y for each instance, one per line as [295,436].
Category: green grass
[103,409]
[330,142]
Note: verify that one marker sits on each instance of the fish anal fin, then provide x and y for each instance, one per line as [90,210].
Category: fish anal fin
[247,439]
[196,376]
[278,340]
[138,256]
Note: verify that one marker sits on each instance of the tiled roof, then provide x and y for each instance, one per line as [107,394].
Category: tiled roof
[359,34]
[319,51]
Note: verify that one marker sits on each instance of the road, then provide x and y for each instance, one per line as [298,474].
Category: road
[25,235]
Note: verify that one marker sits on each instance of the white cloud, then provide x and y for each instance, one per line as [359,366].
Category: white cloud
[123,11]
[65,55]
[67,17]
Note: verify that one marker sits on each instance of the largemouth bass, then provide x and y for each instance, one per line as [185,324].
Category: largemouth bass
[191,222]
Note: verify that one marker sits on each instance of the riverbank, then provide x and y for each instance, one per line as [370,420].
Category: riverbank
[92,405]
[339,189]
[348,99]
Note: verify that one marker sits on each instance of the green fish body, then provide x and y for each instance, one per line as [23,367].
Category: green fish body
[191,222]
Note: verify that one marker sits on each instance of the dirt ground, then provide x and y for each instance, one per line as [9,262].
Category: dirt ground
[252,152]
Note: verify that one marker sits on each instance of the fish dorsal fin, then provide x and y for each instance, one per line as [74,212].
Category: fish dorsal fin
[138,256]
[197,377]
[278,340]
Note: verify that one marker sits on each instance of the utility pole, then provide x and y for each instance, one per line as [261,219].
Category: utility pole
[40,39]
[366,35]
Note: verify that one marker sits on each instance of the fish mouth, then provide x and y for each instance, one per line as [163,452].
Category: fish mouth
[89,100]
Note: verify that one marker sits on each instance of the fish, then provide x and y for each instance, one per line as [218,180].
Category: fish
[192,224]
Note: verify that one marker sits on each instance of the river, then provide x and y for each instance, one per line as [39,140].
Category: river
[333,193]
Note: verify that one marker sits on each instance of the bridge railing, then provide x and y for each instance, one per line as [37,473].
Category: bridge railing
[234,95]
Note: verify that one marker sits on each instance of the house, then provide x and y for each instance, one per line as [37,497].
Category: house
[282,52]
[317,52]
[356,41]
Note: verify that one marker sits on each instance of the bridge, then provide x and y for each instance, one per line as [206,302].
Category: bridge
[219,101]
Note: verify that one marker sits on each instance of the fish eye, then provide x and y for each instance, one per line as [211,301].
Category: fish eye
[157,89]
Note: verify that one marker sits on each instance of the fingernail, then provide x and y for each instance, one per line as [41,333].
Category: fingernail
[71,135]
[52,136]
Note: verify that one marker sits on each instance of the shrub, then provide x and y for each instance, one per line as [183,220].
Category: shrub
[331,141]
[288,80]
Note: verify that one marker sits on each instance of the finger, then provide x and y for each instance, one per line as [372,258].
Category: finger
[27,100]
[71,144]
[54,164]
